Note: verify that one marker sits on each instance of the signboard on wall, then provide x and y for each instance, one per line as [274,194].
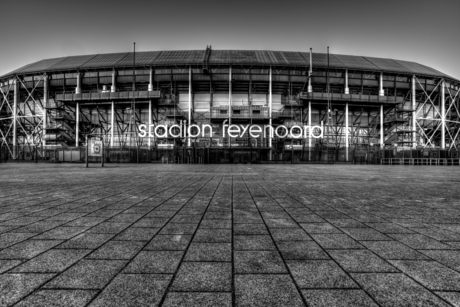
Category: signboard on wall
[96,147]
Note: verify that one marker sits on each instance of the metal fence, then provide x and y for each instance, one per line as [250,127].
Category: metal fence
[204,153]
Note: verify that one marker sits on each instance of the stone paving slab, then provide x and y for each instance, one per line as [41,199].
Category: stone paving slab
[229,235]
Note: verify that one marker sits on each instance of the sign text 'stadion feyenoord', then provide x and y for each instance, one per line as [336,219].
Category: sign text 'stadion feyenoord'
[234,131]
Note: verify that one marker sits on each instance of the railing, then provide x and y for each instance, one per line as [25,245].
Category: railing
[254,112]
[352,97]
[97,96]
[420,161]
[178,114]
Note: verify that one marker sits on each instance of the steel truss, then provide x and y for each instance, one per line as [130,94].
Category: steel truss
[437,115]
[21,115]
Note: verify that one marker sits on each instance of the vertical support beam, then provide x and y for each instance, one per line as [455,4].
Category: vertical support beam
[77,124]
[15,113]
[414,119]
[45,105]
[112,125]
[113,88]
[310,72]
[381,127]
[149,143]
[189,142]
[230,96]
[347,145]
[270,104]
[443,114]
[78,88]
[310,132]
[381,91]
[151,80]
[347,89]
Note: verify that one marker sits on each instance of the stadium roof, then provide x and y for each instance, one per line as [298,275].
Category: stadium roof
[233,57]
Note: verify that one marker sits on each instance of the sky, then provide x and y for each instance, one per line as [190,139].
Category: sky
[421,31]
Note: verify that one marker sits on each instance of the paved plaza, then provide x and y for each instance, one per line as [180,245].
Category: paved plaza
[229,235]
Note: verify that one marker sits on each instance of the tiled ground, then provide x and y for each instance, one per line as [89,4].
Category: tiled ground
[229,235]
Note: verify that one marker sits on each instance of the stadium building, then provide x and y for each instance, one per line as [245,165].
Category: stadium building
[369,108]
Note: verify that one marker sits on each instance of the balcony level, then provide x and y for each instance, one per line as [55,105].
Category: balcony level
[108,96]
[363,98]
[240,112]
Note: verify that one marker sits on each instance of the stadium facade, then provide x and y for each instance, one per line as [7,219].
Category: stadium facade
[369,107]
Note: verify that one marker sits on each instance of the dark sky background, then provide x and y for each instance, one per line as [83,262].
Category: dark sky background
[422,31]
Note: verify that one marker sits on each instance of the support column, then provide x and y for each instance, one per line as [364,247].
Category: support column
[414,113]
[149,143]
[381,127]
[113,88]
[381,91]
[77,124]
[112,125]
[347,145]
[151,80]
[78,88]
[45,105]
[310,132]
[347,89]
[230,102]
[270,102]
[15,112]
[310,72]
[189,142]
[443,115]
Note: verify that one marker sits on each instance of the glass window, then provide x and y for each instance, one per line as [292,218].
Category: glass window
[354,75]
[71,75]
[180,71]
[335,74]
[90,74]
[370,76]
[223,111]
[57,76]
[162,71]
[388,78]
[105,73]
[319,73]
[401,79]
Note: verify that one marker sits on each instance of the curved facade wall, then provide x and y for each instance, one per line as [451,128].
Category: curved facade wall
[373,103]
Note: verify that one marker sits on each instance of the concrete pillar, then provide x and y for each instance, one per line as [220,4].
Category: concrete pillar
[270,104]
[112,125]
[382,144]
[113,88]
[310,72]
[77,124]
[15,113]
[414,113]
[443,115]
[151,80]
[347,89]
[78,88]
[230,102]
[45,105]
[381,91]
[347,145]
[150,123]
[189,142]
